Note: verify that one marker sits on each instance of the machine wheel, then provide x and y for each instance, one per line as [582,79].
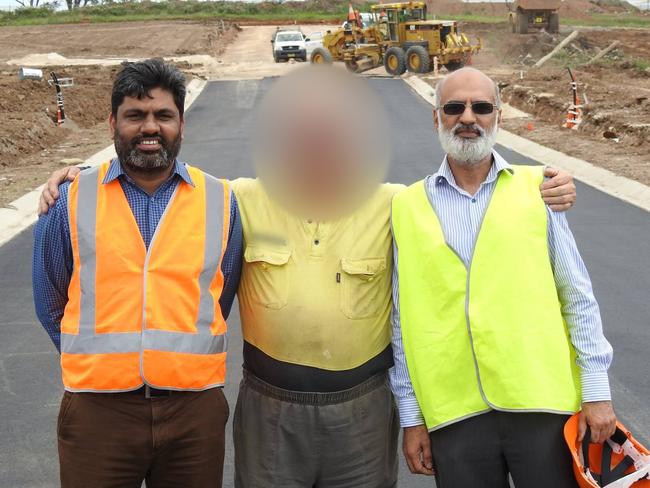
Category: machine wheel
[554,23]
[321,55]
[522,22]
[454,65]
[418,60]
[395,61]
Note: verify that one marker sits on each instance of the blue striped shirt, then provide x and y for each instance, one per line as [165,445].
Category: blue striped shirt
[52,259]
[460,214]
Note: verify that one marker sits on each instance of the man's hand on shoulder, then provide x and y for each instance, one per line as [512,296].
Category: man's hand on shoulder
[51,189]
[417,450]
[559,191]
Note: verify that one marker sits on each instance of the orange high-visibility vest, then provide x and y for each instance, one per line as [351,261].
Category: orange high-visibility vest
[136,315]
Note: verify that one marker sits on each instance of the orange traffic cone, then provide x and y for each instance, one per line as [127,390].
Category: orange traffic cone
[351,15]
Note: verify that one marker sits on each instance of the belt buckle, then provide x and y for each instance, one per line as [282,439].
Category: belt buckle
[151,392]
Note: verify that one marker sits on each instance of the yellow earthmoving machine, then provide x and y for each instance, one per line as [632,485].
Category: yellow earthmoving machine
[525,15]
[401,38]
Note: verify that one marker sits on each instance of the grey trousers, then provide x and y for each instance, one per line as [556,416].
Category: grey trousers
[481,451]
[286,439]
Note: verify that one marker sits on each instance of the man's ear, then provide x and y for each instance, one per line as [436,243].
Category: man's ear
[182,127]
[500,117]
[436,122]
[111,124]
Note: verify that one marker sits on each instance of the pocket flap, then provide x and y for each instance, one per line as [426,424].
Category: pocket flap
[277,257]
[367,266]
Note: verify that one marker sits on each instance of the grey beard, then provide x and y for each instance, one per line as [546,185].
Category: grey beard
[139,160]
[467,152]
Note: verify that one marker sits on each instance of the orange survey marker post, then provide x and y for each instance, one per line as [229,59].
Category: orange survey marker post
[574,116]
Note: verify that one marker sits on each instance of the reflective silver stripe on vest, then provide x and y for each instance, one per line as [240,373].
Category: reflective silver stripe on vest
[201,342]
[86,342]
[214,226]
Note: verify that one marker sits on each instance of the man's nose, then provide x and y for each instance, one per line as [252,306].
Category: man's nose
[150,125]
[468,117]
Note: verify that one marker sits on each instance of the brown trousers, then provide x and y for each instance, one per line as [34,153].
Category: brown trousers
[116,440]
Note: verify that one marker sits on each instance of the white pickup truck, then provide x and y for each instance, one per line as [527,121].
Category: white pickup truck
[289,44]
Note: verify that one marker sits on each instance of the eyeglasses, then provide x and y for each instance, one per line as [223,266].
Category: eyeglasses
[479,108]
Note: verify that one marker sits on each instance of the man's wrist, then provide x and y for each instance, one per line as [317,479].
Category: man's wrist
[595,387]
[409,412]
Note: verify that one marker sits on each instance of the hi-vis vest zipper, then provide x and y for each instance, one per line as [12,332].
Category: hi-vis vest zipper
[138,315]
[491,335]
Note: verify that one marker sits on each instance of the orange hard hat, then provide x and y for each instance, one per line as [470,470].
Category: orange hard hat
[620,462]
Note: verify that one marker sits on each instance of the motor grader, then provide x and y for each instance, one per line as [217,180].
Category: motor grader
[401,38]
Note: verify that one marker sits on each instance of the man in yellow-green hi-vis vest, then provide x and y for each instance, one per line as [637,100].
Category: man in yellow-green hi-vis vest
[497,336]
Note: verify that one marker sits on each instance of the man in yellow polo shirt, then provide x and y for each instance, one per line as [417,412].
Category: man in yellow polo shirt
[314,407]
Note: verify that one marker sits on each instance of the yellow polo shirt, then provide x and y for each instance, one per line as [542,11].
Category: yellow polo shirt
[312,293]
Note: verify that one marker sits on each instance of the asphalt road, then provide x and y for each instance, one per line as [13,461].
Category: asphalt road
[612,235]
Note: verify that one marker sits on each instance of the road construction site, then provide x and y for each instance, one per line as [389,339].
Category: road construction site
[237,62]
[615,90]
[612,236]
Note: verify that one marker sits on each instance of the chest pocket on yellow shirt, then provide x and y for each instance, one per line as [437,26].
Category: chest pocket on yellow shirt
[363,283]
[268,275]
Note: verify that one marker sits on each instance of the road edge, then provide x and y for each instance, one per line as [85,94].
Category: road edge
[21,213]
[620,187]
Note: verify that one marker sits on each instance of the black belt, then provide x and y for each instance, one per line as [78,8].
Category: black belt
[150,392]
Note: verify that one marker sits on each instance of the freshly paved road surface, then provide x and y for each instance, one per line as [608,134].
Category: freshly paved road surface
[612,235]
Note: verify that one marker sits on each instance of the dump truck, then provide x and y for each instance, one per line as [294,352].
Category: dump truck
[526,15]
[401,38]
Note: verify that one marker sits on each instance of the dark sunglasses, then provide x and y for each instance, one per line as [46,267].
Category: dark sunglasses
[479,108]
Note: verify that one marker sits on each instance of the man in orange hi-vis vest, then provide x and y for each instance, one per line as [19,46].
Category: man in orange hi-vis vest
[135,271]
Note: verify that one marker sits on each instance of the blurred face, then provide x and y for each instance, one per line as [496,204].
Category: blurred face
[467,137]
[147,133]
[321,145]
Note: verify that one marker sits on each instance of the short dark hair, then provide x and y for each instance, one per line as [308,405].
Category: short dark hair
[137,79]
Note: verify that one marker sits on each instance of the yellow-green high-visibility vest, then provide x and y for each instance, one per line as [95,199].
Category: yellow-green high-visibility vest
[490,335]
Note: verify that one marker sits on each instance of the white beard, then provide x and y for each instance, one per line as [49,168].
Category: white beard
[467,152]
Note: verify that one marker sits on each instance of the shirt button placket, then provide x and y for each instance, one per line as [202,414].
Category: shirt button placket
[474,214]
[151,219]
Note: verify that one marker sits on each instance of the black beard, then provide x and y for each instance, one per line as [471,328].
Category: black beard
[141,162]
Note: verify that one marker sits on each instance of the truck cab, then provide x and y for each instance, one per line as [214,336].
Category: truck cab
[289,44]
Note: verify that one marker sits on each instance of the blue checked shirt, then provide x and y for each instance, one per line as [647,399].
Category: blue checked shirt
[461,214]
[52,265]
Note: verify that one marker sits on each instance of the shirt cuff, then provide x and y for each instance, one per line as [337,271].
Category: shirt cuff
[409,412]
[595,387]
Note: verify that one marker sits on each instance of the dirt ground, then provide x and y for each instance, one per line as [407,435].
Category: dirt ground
[614,133]
[573,9]
[125,39]
[31,144]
